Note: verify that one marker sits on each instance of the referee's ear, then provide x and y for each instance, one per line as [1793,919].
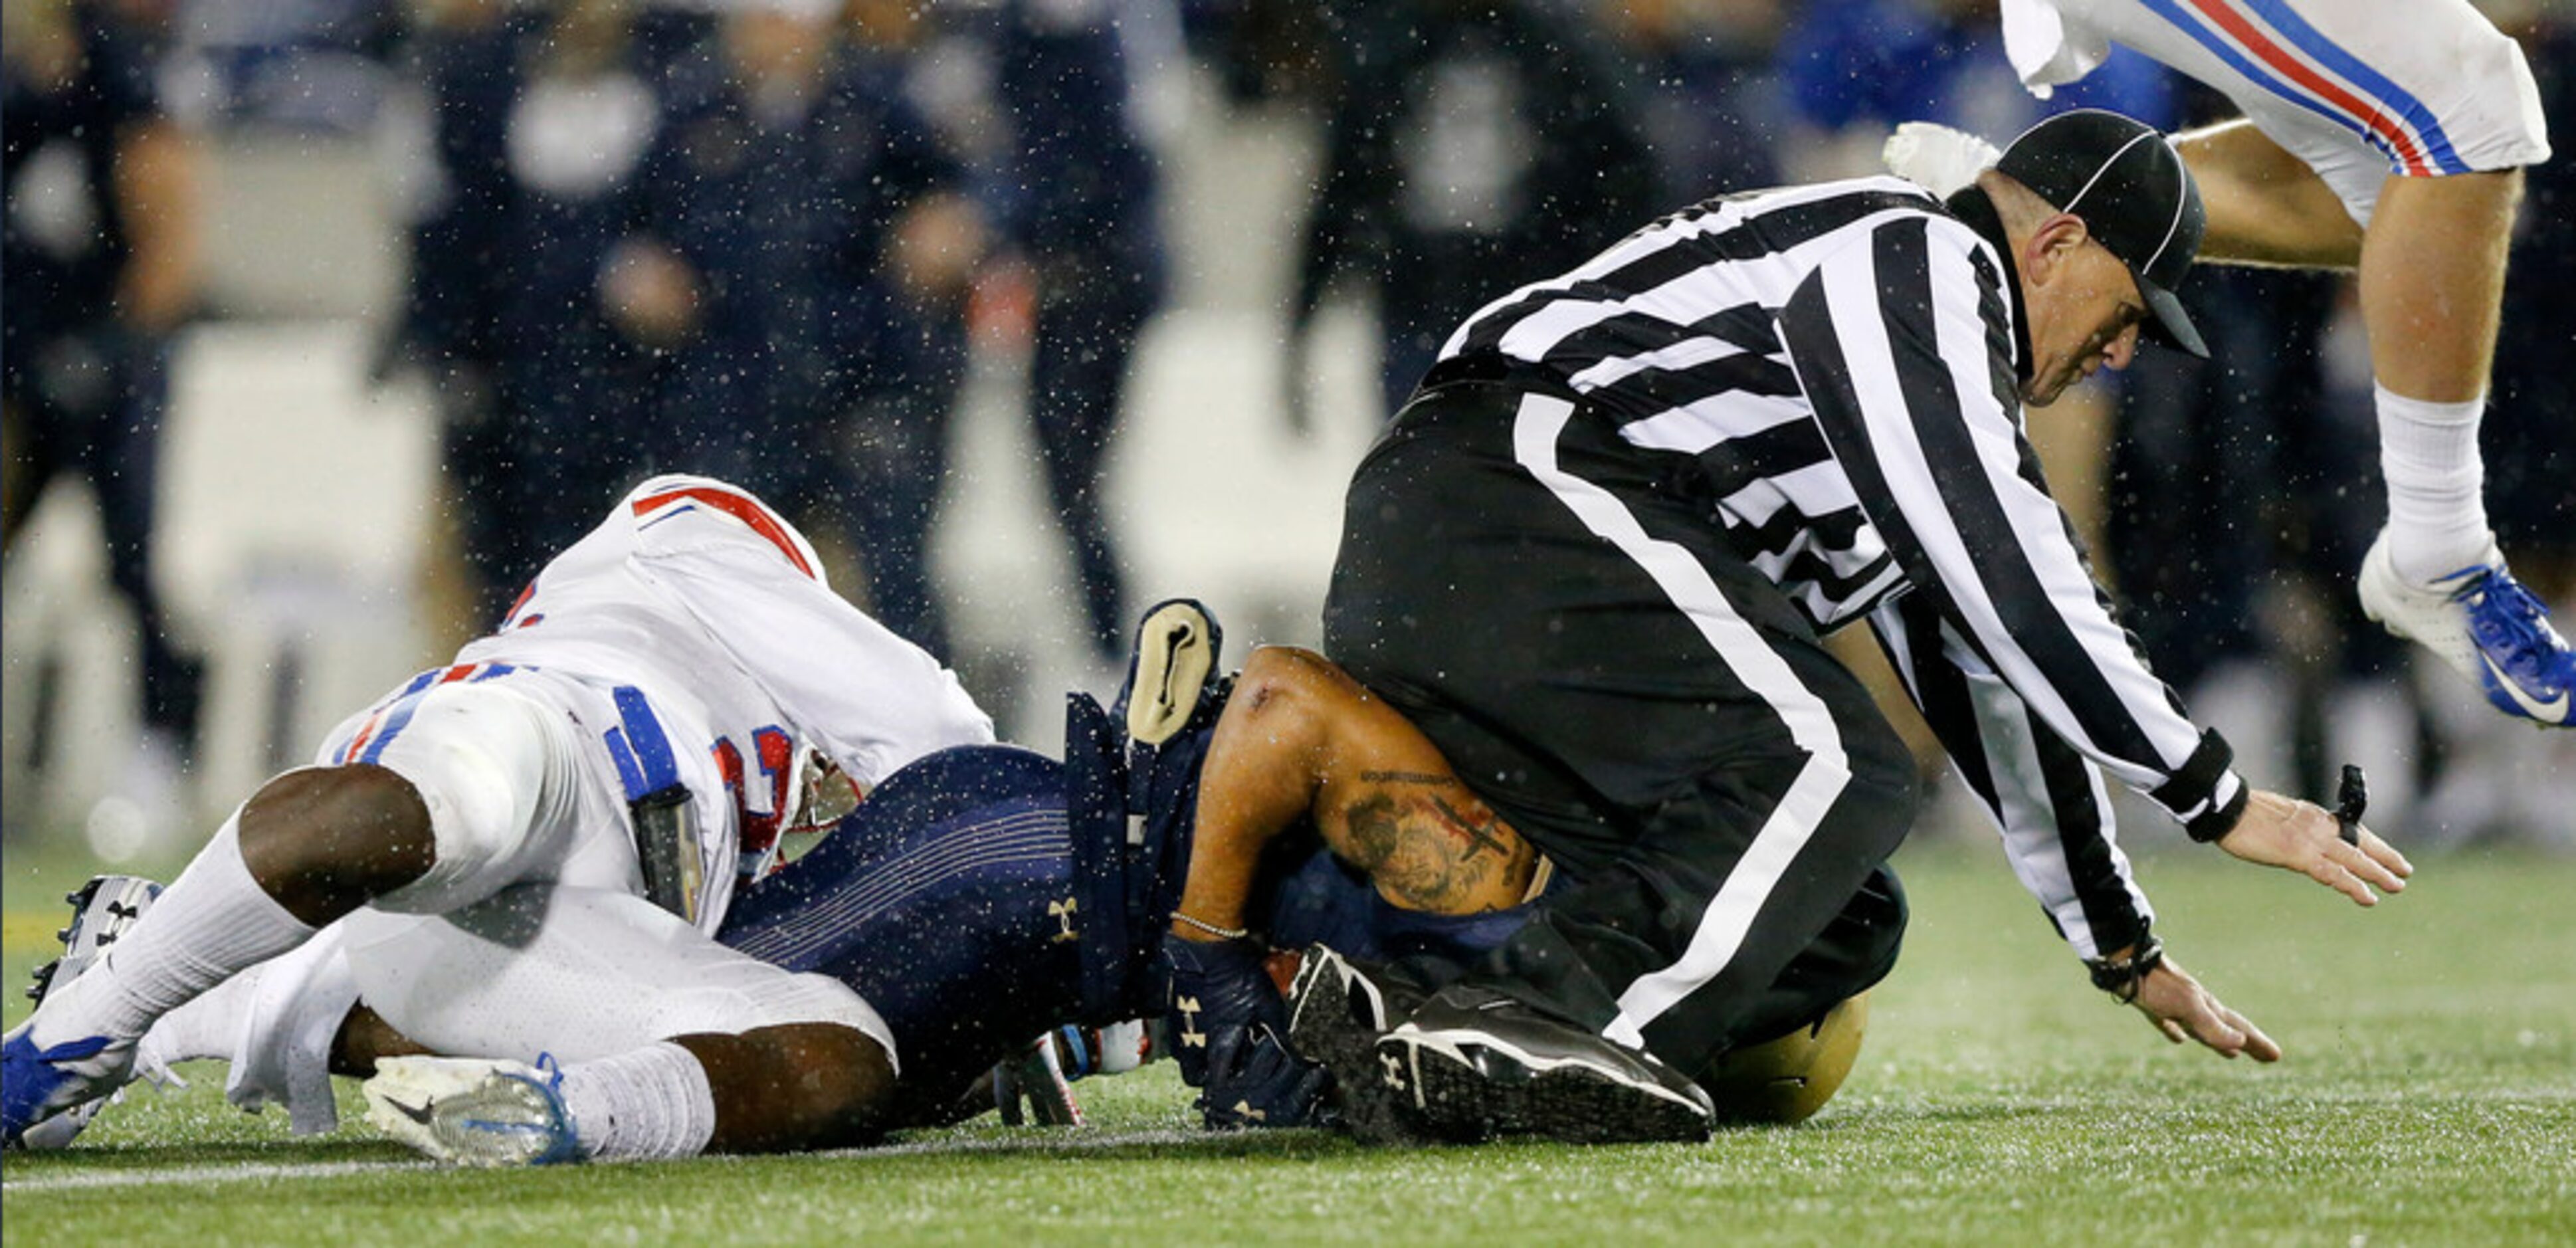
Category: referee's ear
[2051,243]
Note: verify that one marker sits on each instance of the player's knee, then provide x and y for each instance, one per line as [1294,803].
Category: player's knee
[845,1073]
[325,840]
[839,1087]
[480,760]
[1786,1080]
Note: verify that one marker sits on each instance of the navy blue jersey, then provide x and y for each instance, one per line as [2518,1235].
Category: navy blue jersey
[986,894]
[948,900]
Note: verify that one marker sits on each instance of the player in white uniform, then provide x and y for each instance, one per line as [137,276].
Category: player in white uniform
[643,723]
[2387,136]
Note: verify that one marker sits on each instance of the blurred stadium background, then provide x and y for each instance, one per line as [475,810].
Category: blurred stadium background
[307,542]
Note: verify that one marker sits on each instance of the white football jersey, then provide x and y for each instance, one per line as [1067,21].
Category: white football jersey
[693,636]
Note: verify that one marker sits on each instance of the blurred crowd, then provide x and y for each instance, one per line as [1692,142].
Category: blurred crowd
[763,239]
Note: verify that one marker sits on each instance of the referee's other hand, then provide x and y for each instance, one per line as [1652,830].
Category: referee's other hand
[2299,836]
[2181,1009]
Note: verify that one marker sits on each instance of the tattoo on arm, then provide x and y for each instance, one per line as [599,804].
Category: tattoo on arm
[1409,777]
[1415,854]
[1480,836]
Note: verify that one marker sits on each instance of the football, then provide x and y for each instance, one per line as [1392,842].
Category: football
[1787,1080]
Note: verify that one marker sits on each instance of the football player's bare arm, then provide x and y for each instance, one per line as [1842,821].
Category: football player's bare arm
[1302,738]
[2265,205]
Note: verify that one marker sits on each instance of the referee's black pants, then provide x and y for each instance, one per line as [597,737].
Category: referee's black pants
[1573,631]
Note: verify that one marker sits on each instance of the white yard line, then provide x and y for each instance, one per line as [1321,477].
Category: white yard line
[236,1173]
[256,1171]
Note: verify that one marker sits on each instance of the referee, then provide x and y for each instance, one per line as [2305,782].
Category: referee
[1594,555]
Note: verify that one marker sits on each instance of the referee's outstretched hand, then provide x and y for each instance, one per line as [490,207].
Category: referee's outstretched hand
[2284,832]
[2183,1010]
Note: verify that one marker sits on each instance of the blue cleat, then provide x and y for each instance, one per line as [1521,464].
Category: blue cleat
[39,1086]
[53,1093]
[2484,624]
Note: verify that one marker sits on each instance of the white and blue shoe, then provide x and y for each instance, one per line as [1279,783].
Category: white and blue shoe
[52,1093]
[475,1112]
[45,1086]
[2484,624]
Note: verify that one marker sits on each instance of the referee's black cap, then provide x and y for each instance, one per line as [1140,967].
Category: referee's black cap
[2130,187]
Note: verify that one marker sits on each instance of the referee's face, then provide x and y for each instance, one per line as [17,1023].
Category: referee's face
[2084,310]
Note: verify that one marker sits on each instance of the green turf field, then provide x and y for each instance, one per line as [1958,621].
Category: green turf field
[2429,1097]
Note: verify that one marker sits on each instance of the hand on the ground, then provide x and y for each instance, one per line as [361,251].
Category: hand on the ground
[2284,832]
[2180,1008]
[1226,1022]
[1267,1086]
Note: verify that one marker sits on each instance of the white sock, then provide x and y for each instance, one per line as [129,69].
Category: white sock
[214,922]
[652,1102]
[207,1028]
[2437,515]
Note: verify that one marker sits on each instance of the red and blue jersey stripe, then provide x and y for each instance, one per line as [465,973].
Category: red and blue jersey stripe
[733,503]
[2277,50]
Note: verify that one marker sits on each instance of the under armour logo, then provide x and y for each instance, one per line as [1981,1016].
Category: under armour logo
[1394,1070]
[1062,913]
[1191,1036]
[1245,1109]
[119,917]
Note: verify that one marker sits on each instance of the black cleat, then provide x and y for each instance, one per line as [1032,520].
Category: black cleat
[1472,1065]
[1337,1009]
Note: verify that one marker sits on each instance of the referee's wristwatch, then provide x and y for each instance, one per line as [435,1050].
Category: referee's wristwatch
[2121,977]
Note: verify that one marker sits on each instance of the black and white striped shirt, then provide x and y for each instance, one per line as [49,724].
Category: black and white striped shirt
[1838,363]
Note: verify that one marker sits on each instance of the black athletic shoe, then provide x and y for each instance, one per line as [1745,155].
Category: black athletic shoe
[1471,1065]
[1337,1009]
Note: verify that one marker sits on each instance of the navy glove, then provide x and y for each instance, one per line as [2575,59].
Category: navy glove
[1268,1087]
[1219,991]
[1226,1026]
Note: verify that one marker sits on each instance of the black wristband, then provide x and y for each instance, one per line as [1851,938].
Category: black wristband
[2121,977]
[2194,785]
[2216,822]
